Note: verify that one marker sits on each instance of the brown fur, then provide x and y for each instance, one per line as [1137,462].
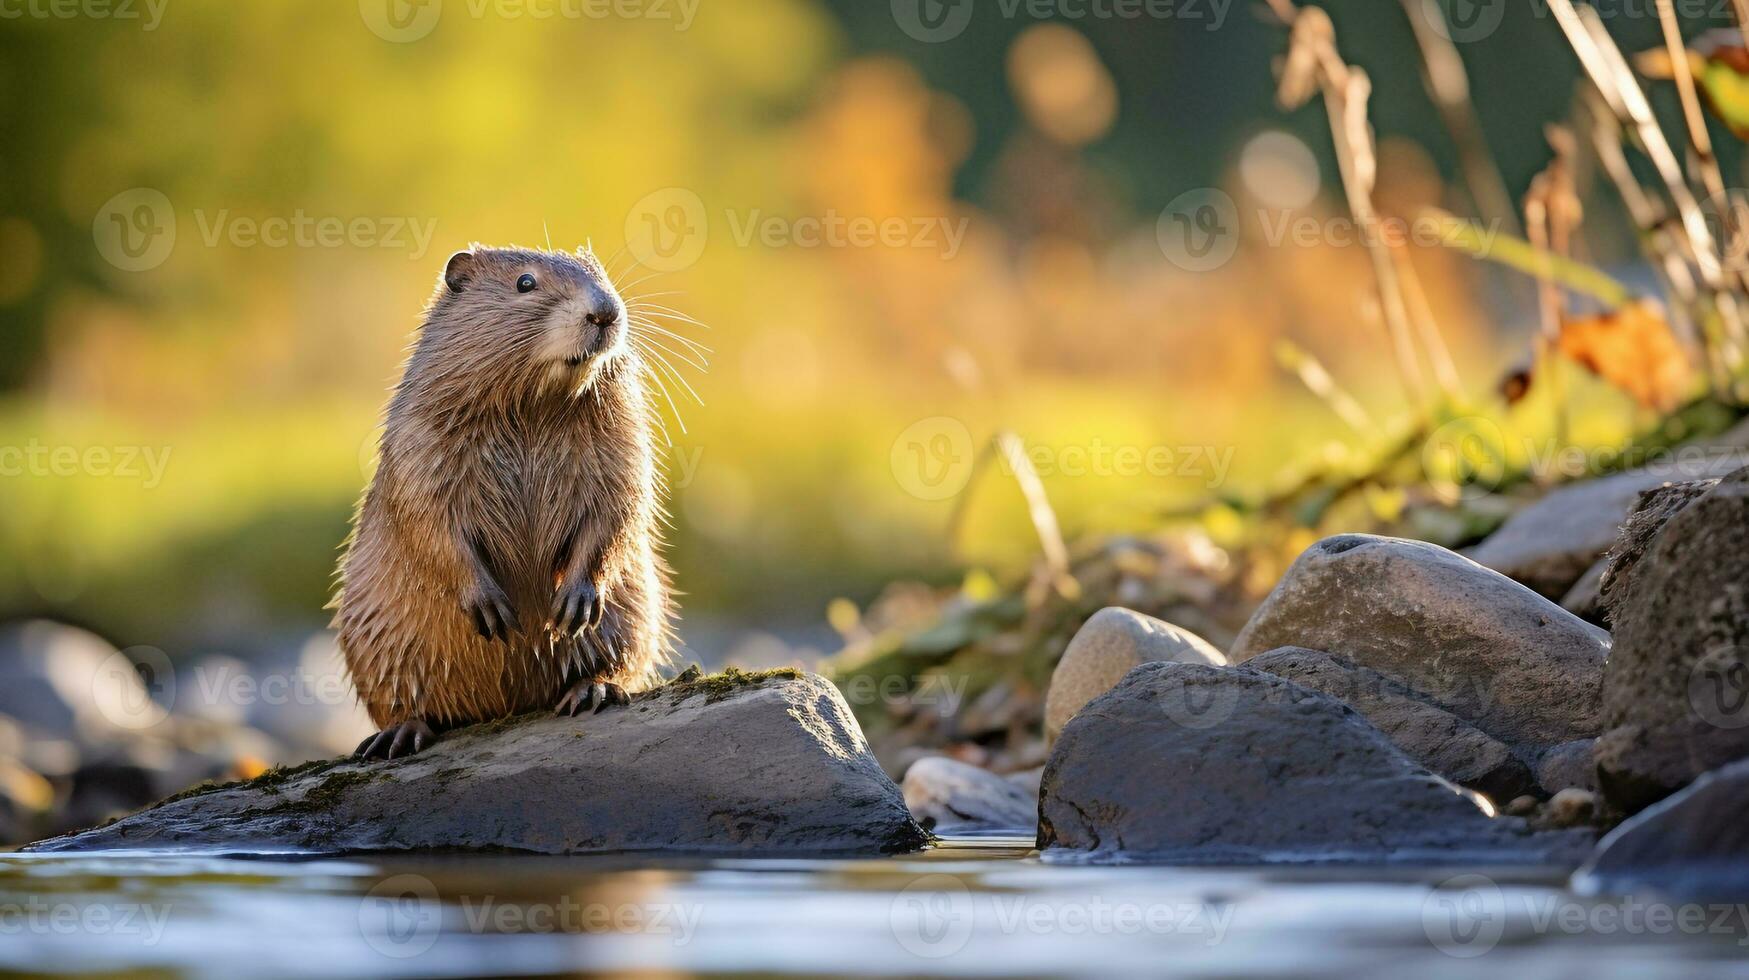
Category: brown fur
[546,468]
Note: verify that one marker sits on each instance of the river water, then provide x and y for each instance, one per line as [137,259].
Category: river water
[966,908]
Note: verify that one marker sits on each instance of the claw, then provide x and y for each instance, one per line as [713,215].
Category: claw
[396,741]
[590,696]
[576,606]
[490,610]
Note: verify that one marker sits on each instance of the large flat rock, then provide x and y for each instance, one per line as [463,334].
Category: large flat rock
[735,763]
[1190,764]
[1460,636]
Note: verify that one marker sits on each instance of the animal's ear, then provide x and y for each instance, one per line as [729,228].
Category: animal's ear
[460,270]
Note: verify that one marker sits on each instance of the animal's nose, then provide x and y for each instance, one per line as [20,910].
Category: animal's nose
[603,316]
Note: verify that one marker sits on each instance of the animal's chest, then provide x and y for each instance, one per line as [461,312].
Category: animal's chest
[536,481]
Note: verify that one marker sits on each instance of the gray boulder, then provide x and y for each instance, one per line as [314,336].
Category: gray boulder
[1654,510]
[1676,691]
[1184,763]
[1108,645]
[1549,545]
[951,797]
[1694,844]
[1460,636]
[1435,738]
[736,763]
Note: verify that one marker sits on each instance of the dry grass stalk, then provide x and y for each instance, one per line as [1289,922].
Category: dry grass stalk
[1551,214]
[1448,85]
[1313,65]
[1054,573]
[1608,70]
[1318,381]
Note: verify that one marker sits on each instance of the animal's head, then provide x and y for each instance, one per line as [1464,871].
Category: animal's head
[509,316]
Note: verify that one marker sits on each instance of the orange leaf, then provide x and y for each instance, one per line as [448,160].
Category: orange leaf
[1634,349]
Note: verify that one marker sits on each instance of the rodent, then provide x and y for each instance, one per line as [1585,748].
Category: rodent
[506,555]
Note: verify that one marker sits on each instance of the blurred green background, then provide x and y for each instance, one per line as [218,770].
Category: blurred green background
[253,373]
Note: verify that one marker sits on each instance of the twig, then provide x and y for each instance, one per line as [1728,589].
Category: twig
[1700,142]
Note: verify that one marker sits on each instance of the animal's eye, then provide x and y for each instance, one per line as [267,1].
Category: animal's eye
[525,284]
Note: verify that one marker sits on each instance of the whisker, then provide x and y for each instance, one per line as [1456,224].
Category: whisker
[671,314]
[658,328]
[677,376]
[633,285]
[701,365]
[663,388]
[665,292]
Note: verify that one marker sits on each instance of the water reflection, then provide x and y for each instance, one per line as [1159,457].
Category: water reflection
[975,908]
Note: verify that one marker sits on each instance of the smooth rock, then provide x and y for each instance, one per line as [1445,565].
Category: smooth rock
[1550,544]
[1676,690]
[1186,763]
[1470,640]
[952,797]
[1435,738]
[1108,645]
[737,764]
[1694,844]
[1568,766]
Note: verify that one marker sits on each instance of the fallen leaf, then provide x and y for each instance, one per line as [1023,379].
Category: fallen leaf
[1633,348]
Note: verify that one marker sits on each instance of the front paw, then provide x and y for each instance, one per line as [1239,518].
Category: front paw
[577,605]
[489,609]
